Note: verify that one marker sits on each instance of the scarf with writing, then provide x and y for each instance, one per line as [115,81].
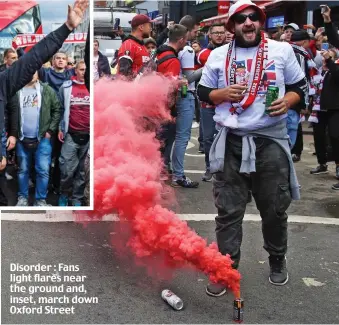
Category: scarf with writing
[254,79]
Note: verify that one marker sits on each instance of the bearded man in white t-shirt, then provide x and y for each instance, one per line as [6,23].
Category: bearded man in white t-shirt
[251,150]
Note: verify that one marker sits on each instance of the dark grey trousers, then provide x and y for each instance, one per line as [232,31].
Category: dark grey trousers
[270,189]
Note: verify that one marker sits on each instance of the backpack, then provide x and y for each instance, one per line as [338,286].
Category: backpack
[153,63]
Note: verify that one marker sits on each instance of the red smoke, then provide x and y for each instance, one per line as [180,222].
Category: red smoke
[127,178]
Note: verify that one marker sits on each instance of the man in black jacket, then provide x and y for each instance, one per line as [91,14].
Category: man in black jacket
[100,62]
[11,124]
[12,107]
[22,71]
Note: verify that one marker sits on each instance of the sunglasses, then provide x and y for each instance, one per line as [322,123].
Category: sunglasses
[241,18]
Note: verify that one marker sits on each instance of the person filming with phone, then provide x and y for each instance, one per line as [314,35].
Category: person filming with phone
[330,29]
[328,115]
[327,100]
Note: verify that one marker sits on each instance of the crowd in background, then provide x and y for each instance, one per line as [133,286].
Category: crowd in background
[316,52]
[46,135]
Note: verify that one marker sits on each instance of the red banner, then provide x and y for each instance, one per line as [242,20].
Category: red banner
[223,7]
[32,39]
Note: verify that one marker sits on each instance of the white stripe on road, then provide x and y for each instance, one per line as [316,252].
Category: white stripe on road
[67,216]
[194,171]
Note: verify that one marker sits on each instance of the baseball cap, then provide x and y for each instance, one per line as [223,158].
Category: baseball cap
[300,35]
[292,25]
[140,20]
[241,5]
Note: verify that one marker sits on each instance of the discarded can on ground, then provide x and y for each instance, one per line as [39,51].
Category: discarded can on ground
[271,96]
[174,301]
[238,310]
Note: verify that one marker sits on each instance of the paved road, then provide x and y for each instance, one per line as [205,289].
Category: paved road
[127,295]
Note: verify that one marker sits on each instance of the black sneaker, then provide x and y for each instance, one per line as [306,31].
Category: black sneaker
[215,290]
[321,169]
[207,176]
[335,187]
[201,149]
[295,158]
[184,182]
[337,172]
[278,274]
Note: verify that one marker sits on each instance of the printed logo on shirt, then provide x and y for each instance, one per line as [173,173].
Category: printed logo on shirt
[269,78]
[30,100]
[241,74]
[83,99]
[145,59]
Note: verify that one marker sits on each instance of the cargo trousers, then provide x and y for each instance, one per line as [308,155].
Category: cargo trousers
[270,189]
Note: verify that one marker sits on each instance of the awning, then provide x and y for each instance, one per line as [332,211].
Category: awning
[222,19]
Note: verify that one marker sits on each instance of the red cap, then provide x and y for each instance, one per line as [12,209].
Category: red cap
[140,20]
[241,5]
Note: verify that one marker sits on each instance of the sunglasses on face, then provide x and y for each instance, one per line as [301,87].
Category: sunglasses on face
[241,18]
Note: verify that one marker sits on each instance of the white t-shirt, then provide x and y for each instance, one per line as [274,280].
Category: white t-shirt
[95,67]
[281,68]
[186,58]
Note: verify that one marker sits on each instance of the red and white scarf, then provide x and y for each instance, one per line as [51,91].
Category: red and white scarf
[256,74]
[317,81]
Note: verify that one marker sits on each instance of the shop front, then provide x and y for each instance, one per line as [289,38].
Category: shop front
[277,12]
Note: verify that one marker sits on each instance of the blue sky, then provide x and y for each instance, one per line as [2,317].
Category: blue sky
[53,11]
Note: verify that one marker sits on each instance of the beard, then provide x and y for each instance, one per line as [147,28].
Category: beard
[146,35]
[240,39]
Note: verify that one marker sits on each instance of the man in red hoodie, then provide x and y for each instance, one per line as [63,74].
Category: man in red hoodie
[168,64]
[74,134]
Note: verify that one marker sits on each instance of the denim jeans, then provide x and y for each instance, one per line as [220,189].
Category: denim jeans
[270,189]
[292,125]
[209,131]
[42,155]
[185,111]
[201,132]
[72,168]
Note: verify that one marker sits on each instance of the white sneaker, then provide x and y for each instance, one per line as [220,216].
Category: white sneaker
[22,202]
[195,125]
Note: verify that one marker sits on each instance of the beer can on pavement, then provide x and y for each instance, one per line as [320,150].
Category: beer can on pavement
[271,96]
[174,301]
[238,310]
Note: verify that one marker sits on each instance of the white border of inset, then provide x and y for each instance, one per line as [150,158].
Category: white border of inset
[68,216]
[91,147]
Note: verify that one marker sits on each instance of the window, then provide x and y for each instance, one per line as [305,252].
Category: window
[28,23]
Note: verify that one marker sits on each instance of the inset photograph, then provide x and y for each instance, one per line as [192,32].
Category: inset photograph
[45,109]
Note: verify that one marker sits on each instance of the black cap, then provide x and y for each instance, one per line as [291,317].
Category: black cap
[300,35]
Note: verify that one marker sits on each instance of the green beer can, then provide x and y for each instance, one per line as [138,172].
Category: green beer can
[271,96]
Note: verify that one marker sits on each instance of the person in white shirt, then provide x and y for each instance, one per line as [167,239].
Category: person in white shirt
[251,150]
